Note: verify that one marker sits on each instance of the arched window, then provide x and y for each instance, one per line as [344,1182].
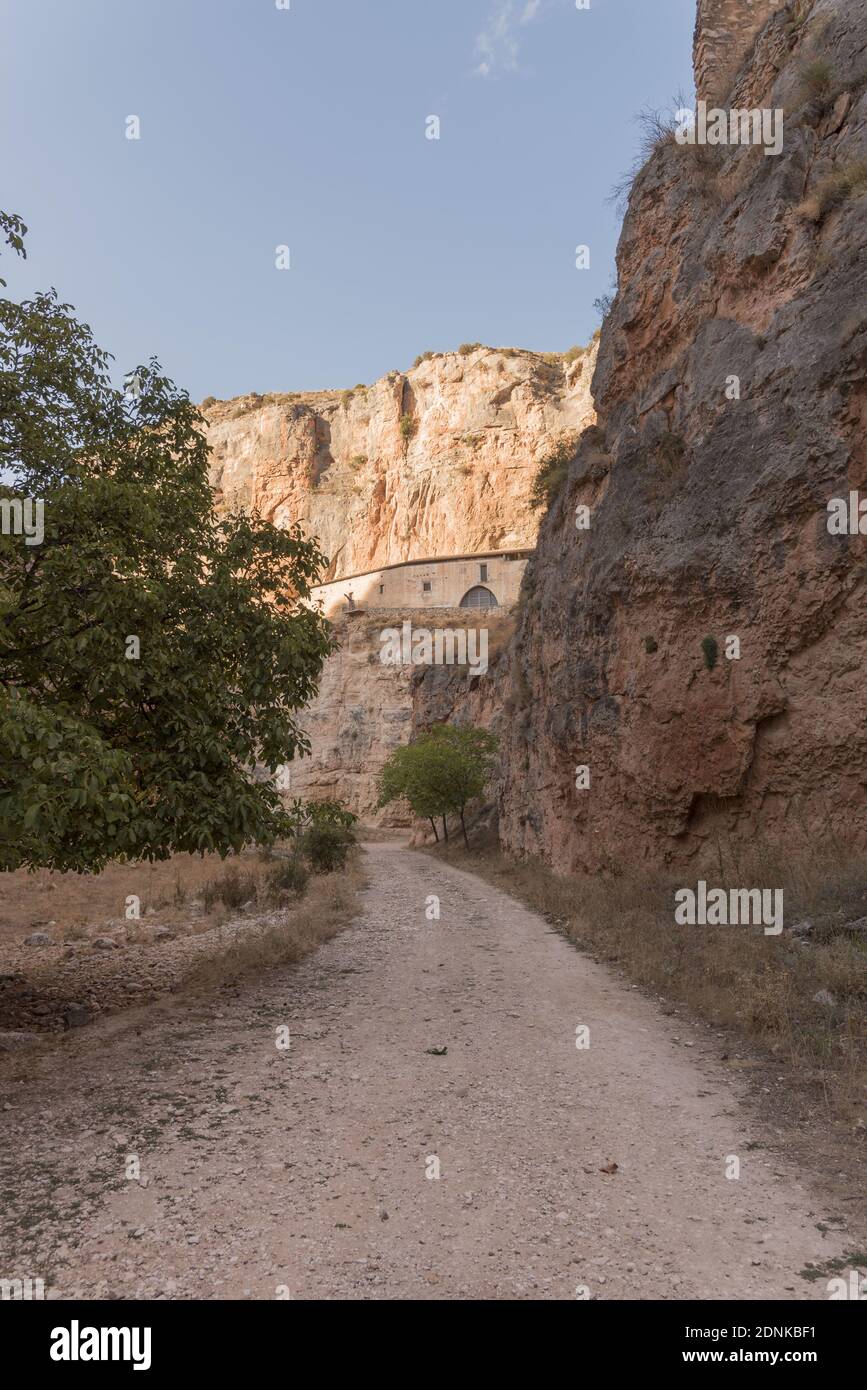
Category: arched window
[479,597]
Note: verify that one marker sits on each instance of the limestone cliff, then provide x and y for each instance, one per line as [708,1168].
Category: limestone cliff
[730,391]
[364,708]
[432,462]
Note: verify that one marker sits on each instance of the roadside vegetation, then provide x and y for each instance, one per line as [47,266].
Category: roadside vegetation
[798,998]
[328,905]
[75,946]
[439,774]
[153,655]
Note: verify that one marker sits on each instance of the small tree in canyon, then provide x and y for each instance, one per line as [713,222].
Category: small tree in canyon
[153,654]
[440,773]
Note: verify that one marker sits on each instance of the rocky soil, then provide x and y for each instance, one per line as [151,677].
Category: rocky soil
[283,1141]
[80,964]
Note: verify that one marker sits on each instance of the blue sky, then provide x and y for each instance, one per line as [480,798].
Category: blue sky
[305,127]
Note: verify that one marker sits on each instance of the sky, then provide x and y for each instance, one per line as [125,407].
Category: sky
[304,124]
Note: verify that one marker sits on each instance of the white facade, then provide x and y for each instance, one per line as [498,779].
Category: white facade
[462,581]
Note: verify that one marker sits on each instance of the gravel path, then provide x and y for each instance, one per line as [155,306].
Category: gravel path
[303,1172]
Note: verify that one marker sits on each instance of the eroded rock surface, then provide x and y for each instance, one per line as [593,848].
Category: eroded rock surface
[709,512]
[436,461]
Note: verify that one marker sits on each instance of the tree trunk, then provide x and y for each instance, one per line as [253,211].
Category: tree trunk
[434,828]
[464,829]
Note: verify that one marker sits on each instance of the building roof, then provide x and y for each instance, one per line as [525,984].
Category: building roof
[515,553]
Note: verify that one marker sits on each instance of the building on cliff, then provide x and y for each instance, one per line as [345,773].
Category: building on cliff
[491,579]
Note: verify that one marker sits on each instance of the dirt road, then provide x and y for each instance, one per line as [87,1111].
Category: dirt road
[309,1171]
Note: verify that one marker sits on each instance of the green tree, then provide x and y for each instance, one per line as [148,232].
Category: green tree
[440,773]
[402,777]
[153,655]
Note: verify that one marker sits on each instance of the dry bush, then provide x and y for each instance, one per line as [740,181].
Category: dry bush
[266,884]
[816,76]
[289,935]
[832,192]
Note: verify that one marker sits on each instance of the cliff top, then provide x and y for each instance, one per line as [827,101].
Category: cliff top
[233,406]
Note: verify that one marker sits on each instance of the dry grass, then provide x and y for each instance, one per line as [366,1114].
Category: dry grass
[268,884]
[288,935]
[834,191]
[762,988]
[76,902]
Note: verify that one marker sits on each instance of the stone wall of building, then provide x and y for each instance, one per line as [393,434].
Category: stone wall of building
[421,584]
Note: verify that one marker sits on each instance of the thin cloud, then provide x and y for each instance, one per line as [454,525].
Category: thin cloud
[499,43]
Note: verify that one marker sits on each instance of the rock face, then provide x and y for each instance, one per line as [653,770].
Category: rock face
[436,461]
[362,712]
[724,33]
[364,708]
[730,391]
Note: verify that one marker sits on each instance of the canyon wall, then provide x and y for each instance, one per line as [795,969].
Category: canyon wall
[435,461]
[364,708]
[724,34]
[701,648]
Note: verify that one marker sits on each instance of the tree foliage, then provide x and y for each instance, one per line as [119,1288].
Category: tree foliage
[322,831]
[440,772]
[153,654]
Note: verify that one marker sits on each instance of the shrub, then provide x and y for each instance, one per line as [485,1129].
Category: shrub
[657,129]
[233,889]
[573,353]
[358,460]
[552,472]
[289,876]
[408,427]
[208,402]
[466,349]
[816,76]
[711,650]
[651,645]
[423,357]
[832,192]
[326,846]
